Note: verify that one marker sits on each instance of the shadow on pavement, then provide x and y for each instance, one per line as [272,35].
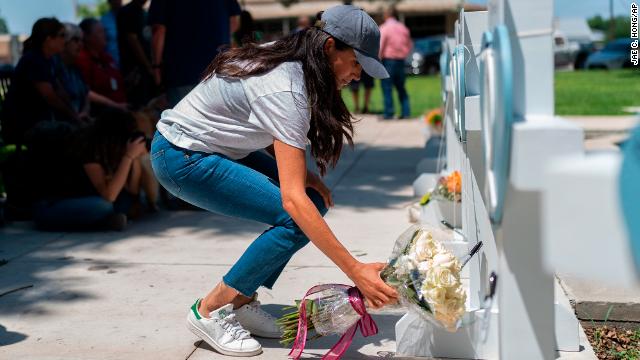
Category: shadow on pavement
[374,178]
[314,349]
[10,337]
[377,179]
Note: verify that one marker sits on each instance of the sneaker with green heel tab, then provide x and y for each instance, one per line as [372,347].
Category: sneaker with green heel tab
[259,322]
[222,331]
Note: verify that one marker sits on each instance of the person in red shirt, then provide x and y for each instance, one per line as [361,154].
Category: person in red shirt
[99,69]
[395,45]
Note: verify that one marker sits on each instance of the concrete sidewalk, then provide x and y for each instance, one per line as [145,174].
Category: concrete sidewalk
[592,300]
[604,132]
[126,295]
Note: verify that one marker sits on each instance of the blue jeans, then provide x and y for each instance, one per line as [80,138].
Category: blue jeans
[395,68]
[247,188]
[82,213]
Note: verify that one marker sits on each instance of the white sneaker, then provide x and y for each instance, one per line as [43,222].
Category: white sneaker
[257,321]
[223,331]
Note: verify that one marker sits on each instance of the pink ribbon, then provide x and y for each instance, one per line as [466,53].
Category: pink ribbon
[366,324]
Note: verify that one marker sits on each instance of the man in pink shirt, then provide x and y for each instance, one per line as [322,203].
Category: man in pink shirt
[395,45]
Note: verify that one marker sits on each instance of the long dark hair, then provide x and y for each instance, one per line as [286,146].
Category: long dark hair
[331,122]
[105,141]
[41,30]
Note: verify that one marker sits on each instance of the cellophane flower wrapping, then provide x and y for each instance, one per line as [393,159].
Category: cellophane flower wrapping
[333,313]
[425,274]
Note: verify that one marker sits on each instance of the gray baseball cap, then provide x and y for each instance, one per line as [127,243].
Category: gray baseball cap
[356,28]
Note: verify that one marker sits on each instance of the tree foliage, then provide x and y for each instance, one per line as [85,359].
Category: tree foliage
[4,28]
[94,11]
[622,26]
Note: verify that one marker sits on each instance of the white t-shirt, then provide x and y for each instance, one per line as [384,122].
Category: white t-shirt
[235,117]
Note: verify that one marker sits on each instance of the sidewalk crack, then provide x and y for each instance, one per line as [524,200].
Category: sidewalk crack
[9,260]
[194,350]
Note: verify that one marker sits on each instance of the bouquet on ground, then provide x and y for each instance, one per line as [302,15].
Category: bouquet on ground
[434,120]
[424,273]
[448,193]
[449,187]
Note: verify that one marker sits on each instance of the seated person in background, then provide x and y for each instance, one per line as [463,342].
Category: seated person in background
[107,92]
[73,89]
[97,180]
[99,69]
[34,95]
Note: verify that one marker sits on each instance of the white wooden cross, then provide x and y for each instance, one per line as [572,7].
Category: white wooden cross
[501,133]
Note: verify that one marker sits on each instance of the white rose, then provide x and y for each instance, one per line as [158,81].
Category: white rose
[445,317]
[461,294]
[424,246]
[443,277]
[435,295]
[456,292]
[440,309]
[430,279]
[452,306]
[457,305]
[444,259]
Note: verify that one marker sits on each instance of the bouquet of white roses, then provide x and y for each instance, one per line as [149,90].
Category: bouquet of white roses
[427,277]
[425,274]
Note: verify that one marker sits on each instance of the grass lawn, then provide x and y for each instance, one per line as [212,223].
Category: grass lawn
[577,93]
[424,94]
[597,92]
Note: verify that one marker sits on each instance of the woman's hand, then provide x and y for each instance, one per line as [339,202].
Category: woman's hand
[367,278]
[313,181]
[136,147]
